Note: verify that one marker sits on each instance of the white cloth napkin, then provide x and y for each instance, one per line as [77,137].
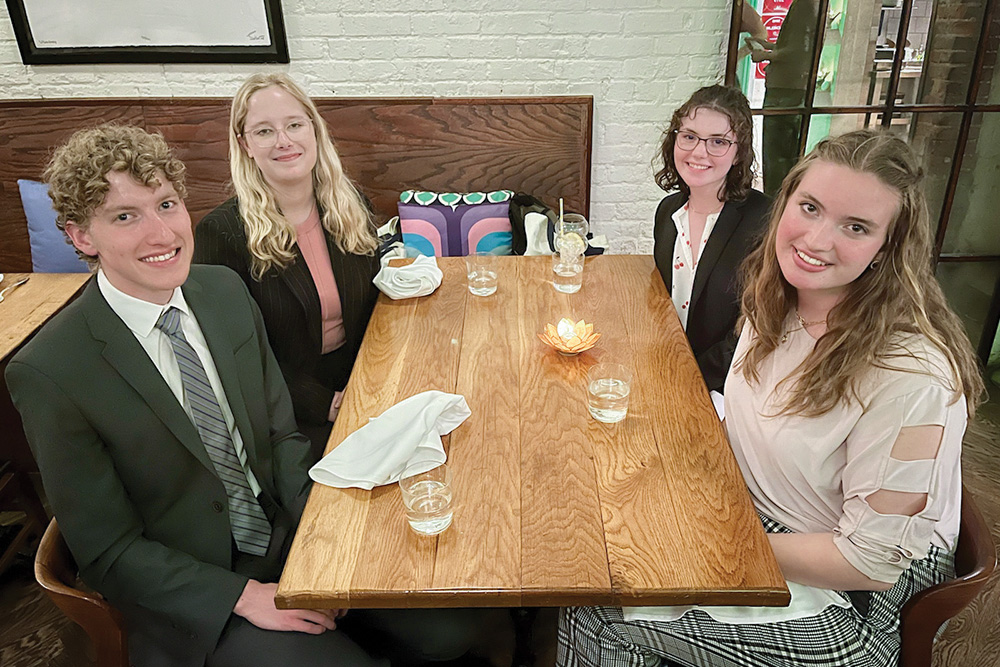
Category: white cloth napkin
[403,282]
[806,601]
[409,431]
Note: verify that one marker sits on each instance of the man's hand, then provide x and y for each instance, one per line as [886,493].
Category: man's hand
[256,604]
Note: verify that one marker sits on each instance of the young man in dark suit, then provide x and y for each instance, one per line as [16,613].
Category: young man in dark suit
[165,435]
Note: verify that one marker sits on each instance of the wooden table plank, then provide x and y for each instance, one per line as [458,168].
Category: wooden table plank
[26,308]
[630,475]
[328,540]
[699,464]
[563,552]
[552,507]
[23,311]
[483,545]
[393,559]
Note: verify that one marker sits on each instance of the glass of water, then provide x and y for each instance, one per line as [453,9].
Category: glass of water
[427,497]
[482,273]
[608,387]
[567,268]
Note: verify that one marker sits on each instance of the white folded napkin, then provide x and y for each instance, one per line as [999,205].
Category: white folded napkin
[403,282]
[409,431]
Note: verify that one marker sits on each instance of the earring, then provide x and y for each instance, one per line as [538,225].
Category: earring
[873,265]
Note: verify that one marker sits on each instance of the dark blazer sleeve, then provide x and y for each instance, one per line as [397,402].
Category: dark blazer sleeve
[285,450]
[220,239]
[712,321]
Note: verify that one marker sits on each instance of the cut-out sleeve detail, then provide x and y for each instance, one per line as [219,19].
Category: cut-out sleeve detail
[908,476]
[881,546]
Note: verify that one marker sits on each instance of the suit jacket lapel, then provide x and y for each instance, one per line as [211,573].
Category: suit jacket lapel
[349,293]
[218,335]
[729,220]
[126,355]
[668,237]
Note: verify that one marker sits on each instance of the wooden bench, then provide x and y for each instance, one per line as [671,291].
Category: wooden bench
[539,145]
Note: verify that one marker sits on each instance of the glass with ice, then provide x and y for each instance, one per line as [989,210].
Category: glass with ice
[570,243]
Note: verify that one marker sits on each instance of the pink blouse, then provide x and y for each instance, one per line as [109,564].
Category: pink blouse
[312,243]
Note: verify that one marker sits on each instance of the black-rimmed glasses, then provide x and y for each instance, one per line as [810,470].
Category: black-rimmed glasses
[687,141]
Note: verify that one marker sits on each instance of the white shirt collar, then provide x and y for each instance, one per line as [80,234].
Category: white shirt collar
[138,315]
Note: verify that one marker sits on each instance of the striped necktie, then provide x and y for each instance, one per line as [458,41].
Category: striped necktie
[249,524]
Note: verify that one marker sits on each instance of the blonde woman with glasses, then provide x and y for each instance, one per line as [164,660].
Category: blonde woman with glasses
[302,238]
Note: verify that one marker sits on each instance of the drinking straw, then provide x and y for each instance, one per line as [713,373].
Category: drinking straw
[562,228]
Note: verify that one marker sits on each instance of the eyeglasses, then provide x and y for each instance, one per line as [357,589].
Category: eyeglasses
[688,141]
[265,136]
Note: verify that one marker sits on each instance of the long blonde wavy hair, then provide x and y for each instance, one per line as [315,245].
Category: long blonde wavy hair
[270,237]
[898,296]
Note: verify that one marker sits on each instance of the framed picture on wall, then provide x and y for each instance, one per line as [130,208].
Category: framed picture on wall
[149,31]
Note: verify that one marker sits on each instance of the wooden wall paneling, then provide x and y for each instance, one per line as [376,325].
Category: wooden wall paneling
[536,145]
[198,130]
[29,131]
[542,148]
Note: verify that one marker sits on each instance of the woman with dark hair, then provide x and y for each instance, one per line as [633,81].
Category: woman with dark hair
[846,406]
[703,231]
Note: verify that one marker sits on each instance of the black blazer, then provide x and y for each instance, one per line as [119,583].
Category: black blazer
[290,305]
[715,299]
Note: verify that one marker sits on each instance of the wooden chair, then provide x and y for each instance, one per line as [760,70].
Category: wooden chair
[923,614]
[56,571]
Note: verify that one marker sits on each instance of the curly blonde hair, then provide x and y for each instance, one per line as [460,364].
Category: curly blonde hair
[896,297]
[77,172]
[270,237]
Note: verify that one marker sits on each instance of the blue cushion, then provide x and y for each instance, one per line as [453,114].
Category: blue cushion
[50,250]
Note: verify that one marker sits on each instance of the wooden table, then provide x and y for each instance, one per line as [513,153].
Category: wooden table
[23,311]
[552,507]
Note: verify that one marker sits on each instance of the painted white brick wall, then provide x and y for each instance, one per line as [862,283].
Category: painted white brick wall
[638,58]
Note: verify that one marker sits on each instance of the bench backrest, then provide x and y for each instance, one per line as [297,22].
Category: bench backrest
[538,145]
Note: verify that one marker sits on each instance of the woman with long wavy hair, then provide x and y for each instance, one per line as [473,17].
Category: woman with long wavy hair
[302,238]
[846,406]
[710,222]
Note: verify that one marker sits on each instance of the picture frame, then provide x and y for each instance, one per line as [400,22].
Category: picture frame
[51,32]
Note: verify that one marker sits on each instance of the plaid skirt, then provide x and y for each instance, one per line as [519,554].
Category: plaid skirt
[863,635]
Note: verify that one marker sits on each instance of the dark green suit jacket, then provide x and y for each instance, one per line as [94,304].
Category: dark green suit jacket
[127,475]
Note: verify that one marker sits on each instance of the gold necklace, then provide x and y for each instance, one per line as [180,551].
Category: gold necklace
[805,324]
[707,213]
[802,325]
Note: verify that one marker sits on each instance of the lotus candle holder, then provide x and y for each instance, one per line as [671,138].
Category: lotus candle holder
[568,337]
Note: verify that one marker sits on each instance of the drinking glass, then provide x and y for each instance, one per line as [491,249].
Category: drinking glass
[573,223]
[568,270]
[608,387]
[427,497]
[482,273]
